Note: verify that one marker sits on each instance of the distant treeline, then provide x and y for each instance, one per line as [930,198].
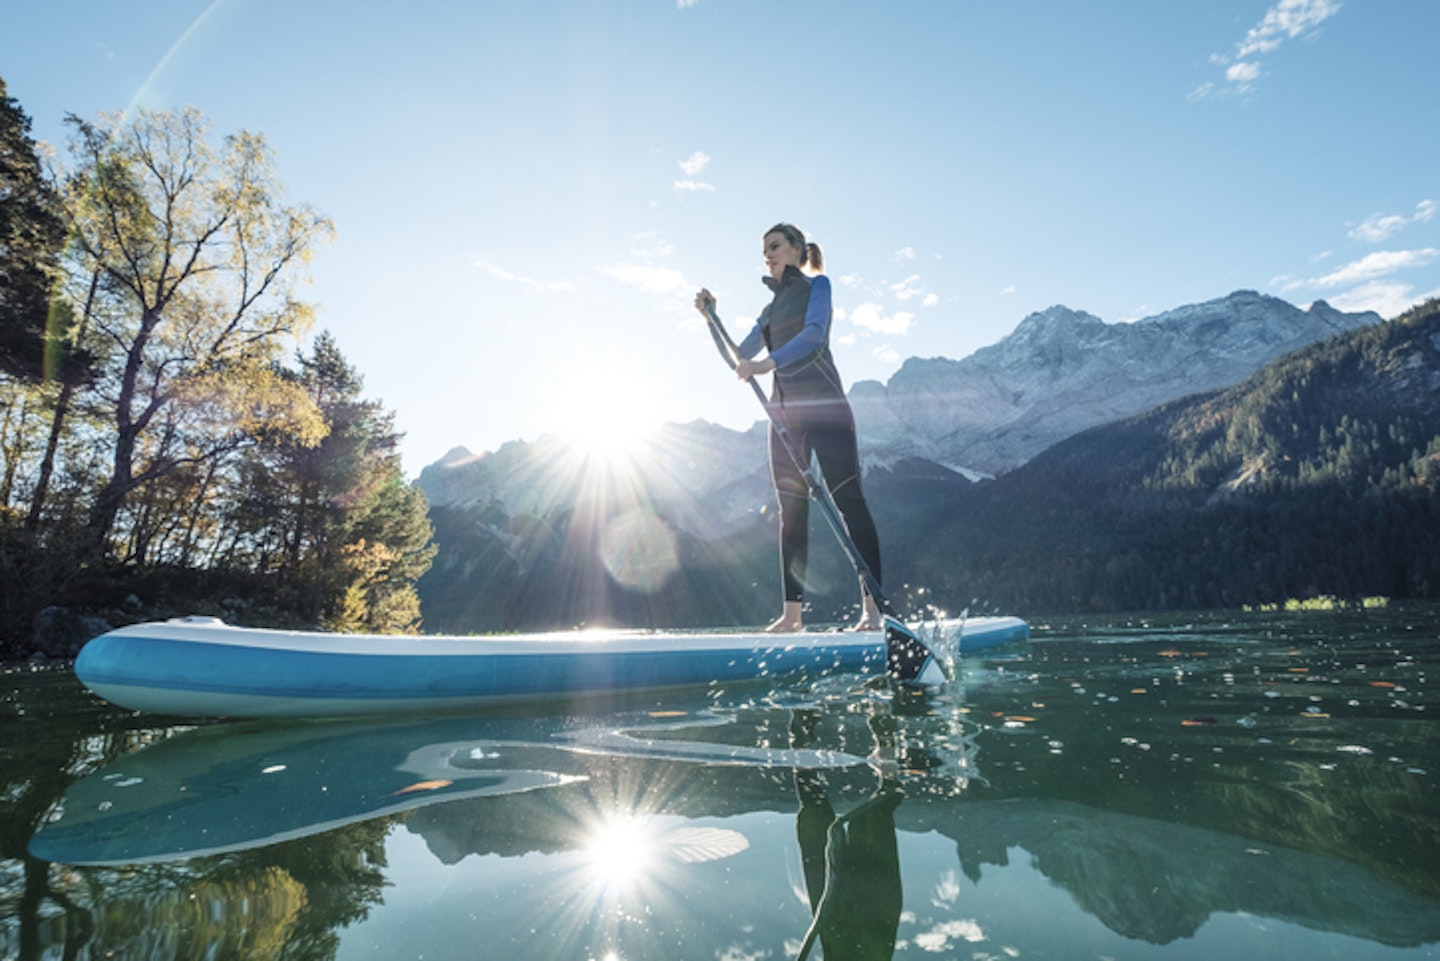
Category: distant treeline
[166,446]
[1319,475]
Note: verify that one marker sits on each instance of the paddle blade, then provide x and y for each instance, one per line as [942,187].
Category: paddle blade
[909,660]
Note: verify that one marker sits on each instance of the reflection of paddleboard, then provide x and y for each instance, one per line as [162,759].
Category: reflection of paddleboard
[239,786]
[202,667]
[233,787]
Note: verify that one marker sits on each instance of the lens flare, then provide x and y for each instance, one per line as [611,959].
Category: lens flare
[638,550]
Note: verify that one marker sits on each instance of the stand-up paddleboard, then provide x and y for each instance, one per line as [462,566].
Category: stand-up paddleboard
[201,667]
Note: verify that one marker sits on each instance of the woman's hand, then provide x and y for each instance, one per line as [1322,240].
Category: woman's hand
[703,300]
[746,369]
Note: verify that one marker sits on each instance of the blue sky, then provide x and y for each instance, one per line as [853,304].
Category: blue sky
[527,195]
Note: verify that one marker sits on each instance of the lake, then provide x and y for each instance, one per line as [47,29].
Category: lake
[1256,785]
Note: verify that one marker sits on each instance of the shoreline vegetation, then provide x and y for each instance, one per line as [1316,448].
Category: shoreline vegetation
[171,433]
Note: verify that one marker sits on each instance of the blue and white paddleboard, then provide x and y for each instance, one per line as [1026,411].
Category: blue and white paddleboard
[202,667]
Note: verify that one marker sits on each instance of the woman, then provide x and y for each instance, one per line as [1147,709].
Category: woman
[795,332]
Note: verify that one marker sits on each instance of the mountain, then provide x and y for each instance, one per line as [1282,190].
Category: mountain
[1062,371]
[1319,474]
[1316,474]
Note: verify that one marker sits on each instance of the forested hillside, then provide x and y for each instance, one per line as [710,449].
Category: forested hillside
[1318,475]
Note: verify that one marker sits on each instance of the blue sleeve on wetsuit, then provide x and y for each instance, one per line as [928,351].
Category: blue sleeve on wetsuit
[753,341]
[816,330]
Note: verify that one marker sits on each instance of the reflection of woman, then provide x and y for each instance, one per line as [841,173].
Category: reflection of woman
[852,865]
[795,332]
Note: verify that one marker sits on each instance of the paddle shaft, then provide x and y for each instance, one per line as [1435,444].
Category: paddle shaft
[819,493]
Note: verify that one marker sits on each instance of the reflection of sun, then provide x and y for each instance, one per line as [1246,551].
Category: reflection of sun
[620,852]
[628,863]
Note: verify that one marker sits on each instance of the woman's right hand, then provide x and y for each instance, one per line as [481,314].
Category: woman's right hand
[703,300]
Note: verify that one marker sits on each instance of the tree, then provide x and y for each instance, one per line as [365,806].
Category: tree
[198,258]
[31,235]
[339,522]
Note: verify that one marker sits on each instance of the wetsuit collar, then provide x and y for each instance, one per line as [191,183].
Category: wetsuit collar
[774,284]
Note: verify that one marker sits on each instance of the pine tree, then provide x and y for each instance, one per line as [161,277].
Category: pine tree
[31,236]
[353,535]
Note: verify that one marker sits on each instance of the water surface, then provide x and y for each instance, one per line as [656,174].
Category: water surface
[1259,786]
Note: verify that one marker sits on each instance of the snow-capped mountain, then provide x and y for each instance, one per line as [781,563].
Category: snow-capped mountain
[1062,371]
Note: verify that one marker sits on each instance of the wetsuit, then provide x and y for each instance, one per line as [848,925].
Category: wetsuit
[795,330]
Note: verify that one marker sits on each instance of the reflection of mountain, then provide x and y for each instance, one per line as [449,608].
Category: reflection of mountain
[1158,882]
[1145,879]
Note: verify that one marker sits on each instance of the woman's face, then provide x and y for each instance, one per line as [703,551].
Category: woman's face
[779,253]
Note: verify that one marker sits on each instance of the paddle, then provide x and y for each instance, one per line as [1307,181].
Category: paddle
[908,659]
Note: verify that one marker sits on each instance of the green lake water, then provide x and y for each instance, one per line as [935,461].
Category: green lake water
[1201,786]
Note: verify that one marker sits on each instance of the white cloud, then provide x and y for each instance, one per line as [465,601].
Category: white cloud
[510,277]
[1377,227]
[1388,298]
[907,289]
[1243,73]
[947,890]
[1202,91]
[872,317]
[652,280]
[1286,20]
[694,185]
[930,300]
[905,253]
[695,163]
[939,938]
[1378,264]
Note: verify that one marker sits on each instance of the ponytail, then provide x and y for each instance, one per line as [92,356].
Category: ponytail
[810,256]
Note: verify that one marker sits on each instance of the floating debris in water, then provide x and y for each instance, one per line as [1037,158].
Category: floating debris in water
[1198,721]
[422,786]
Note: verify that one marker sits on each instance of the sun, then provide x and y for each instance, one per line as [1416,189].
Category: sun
[604,410]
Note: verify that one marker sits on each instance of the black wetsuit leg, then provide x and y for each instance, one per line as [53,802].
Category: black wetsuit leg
[828,429]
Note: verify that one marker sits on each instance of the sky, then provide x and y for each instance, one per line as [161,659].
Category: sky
[528,195]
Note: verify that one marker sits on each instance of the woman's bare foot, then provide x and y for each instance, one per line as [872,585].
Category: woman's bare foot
[789,621]
[870,620]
